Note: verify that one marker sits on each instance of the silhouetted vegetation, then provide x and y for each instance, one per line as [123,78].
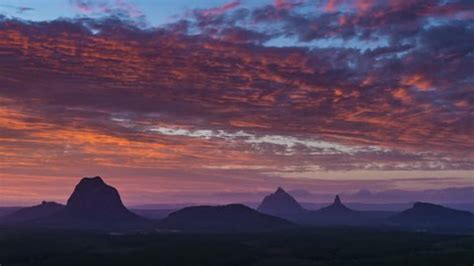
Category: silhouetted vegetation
[308,246]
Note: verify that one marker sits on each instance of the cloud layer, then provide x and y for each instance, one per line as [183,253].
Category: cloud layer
[288,88]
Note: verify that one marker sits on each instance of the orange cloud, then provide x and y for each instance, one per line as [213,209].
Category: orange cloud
[72,101]
[417,80]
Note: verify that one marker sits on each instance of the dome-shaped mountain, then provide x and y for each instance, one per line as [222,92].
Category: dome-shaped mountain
[95,205]
[233,218]
[32,213]
[94,199]
[427,215]
[281,204]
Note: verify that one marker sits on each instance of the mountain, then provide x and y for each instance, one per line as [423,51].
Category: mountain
[427,215]
[153,214]
[336,208]
[283,205]
[339,214]
[95,205]
[5,211]
[452,195]
[233,218]
[27,214]
[334,214]
[94,199]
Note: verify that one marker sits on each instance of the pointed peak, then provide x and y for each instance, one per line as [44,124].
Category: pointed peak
[337,200]
[280,190]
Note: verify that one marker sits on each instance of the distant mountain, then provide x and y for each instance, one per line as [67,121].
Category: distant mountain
[283,205]
[453,195]
[392,207]
[164,206]
[334,214]
[154,214]
[5,211]
[339,214]
[234,218]
[427,215]
[33,213]
[95,205]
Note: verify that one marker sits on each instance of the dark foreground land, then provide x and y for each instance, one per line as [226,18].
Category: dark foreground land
[312,246]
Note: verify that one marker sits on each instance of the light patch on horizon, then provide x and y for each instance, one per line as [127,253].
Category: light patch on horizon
[318,173]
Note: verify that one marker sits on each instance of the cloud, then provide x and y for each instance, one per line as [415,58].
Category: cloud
[117,8]
[288,4]
[220,9]
[329,94]
[259,92]
[18,9]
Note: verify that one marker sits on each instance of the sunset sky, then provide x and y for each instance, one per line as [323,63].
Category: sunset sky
[213,101]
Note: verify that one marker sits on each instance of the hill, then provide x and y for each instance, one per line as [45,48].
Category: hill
[427,215]
[27,214]
[233,218]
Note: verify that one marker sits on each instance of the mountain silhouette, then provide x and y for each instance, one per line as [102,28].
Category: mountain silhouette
[283,205]
[336,208]
[427,215]
[94,199]
[95,205]
[233,218]
[336,214]
[33,213]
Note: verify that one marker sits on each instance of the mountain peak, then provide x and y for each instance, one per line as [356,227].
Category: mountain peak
[92,197]
[337,200]
[95,179]
[95,205]
[280,191]
[280,204]
[92,205]
[336,213]
[337,206]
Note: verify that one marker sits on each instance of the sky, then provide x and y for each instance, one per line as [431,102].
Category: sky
[217,101]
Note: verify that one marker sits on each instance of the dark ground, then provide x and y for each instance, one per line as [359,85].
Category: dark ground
[310,246]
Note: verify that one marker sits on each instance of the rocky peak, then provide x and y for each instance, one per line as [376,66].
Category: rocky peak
[281,204]
[280,191]
[93,197]
[336,207]
[337,200]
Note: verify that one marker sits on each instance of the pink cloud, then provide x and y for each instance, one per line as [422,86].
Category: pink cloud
[220,9]
[287,4]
